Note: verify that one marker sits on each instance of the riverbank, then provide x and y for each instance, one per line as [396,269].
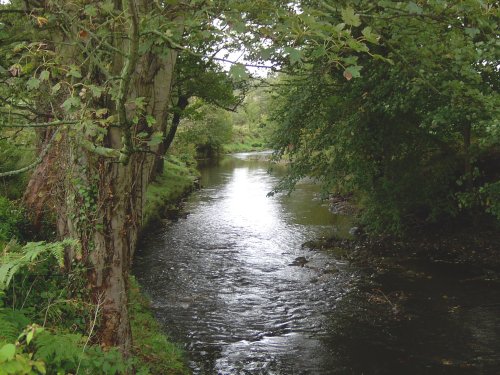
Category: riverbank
[153,347]
[478,249]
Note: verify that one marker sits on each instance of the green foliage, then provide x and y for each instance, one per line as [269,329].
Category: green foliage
[177,179]
[61,351]
[397,135]
[15,258]
[13,155]
[153,350]
[12,322]
[208,128]
[10,218]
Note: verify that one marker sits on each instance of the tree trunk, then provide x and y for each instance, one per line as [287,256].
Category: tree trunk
[100,200]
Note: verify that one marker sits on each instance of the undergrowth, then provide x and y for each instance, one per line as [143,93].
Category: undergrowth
[47,318]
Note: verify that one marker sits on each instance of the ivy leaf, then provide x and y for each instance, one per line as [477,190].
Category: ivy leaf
[238,72]
[349,17]
[44,75]
[33,83]
[414,8]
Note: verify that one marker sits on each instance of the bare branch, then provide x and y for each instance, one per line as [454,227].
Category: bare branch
[39,124]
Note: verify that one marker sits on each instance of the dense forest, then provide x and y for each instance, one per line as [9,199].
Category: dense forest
[105,106]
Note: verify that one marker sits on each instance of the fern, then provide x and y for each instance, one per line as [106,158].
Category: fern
[61,351]
[15,257]
[12,322]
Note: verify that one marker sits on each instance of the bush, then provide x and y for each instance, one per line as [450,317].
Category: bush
[10,220]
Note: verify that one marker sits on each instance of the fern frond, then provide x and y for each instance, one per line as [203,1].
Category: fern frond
[61,350]
[12,322]
[12,261]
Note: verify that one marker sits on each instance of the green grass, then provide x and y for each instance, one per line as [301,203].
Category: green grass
[245,140]
[155,353]
[176,180]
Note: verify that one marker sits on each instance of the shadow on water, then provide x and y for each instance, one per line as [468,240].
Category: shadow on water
[231,281]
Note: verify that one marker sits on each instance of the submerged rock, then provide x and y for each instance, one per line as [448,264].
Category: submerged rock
[299,261]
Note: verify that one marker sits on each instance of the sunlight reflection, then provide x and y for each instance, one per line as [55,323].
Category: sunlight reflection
[247,205]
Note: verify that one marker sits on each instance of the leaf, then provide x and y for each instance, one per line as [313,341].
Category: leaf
[140,102]
[41,21]
[294,54]
[238,72]
[156,139]
[150,120]
[349,17]
[107,6]
[7,352]
[90,10]
[239,27]
[29,336]
[71,103]
[472,31]
[101,112]
[33,83]
[44,75]
[369,35]
[74,72]
[96,91]
[56,88]
[357,46]
[353,72]
[414,8]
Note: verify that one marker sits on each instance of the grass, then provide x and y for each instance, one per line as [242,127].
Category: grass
[245,140]
[155,353]
[176,180]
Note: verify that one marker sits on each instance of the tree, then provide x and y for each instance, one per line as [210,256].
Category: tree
[412,124]
[92,80]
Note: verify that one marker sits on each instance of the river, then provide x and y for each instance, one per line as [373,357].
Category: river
[231,281]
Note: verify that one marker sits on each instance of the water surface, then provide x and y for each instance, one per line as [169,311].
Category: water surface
[231,282]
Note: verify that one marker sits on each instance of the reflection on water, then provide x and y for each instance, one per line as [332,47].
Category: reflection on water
[222,282]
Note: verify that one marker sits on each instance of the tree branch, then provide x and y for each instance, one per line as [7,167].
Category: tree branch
[36,162]
[39,124]
[126,78]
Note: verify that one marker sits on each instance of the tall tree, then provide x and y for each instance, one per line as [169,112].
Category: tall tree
[93,80]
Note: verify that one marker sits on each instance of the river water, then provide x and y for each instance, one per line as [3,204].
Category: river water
[231,282]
